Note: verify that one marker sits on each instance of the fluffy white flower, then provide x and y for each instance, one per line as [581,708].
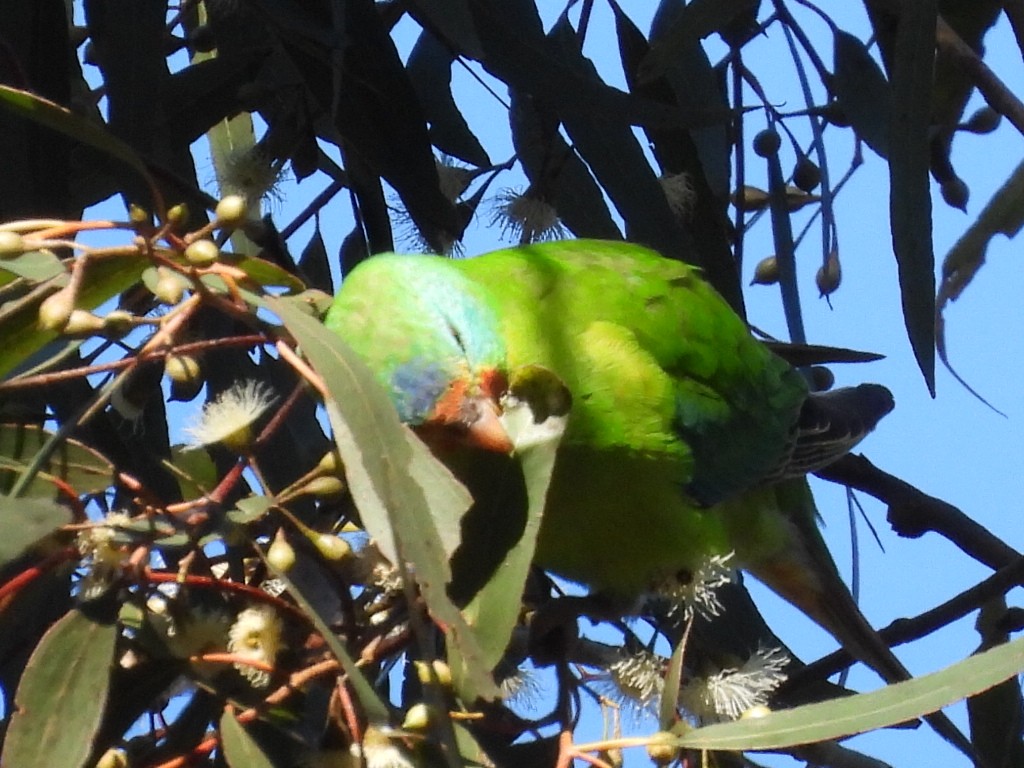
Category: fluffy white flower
[102,554]
[679,192]
[698,594]
[528,219]
[201,631]
[228,419]
[636,682]
[256,635]
[729,693]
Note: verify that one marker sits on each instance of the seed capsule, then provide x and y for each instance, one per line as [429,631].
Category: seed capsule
[767,142]
[766,272]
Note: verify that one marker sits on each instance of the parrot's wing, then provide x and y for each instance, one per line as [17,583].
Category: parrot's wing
[830,425]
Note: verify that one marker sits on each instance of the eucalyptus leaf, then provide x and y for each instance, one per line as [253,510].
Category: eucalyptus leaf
[883,708]
[74,464]
[59,703]
[24,521]
[240,751]
[409,502]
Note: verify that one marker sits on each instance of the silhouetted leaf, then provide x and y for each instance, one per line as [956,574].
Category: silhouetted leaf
[688,26]
[314,262]
[430,71]
[556,171]
[57,118]
[1003,215]
[607,143]
[862,91]
[910,202]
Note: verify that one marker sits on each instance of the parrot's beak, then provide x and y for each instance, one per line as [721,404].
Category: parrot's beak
[472,421]
[484,429]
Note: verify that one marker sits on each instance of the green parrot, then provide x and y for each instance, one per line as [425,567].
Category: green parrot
[687,438]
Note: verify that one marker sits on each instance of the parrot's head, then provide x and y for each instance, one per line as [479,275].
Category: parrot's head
[433,341]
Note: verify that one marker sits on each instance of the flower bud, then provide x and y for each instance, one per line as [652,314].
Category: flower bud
[82,323]
[956,193]
[169,286]
[806,175]
[325,486]
[202,253]
[418,718]
[984,120]
[231,211]
[330,464]
[662,748]
[56,309]
[281,555]
[118,322]
[138,215]
[11,244]
[177,215]
[332,547]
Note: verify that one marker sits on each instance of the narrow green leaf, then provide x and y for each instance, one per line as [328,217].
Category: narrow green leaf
[104,279]
[33,265]
[863,712]
[910,202]
[74,463]
[494,610]
[25,521]
[60,701]
[249,509]
[240,751]
[409,502]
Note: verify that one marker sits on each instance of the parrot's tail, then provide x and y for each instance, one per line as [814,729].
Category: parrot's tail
[816,588]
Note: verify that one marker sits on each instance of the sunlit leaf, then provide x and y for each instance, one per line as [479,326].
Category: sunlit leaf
[407,500]
[888,706]
[53,116]
[240,751]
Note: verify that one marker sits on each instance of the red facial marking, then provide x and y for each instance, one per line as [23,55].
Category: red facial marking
[468,415]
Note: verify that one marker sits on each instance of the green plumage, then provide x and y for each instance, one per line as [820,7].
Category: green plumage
[676,408]
[687,438]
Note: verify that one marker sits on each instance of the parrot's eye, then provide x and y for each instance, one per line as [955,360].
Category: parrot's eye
[457,336]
